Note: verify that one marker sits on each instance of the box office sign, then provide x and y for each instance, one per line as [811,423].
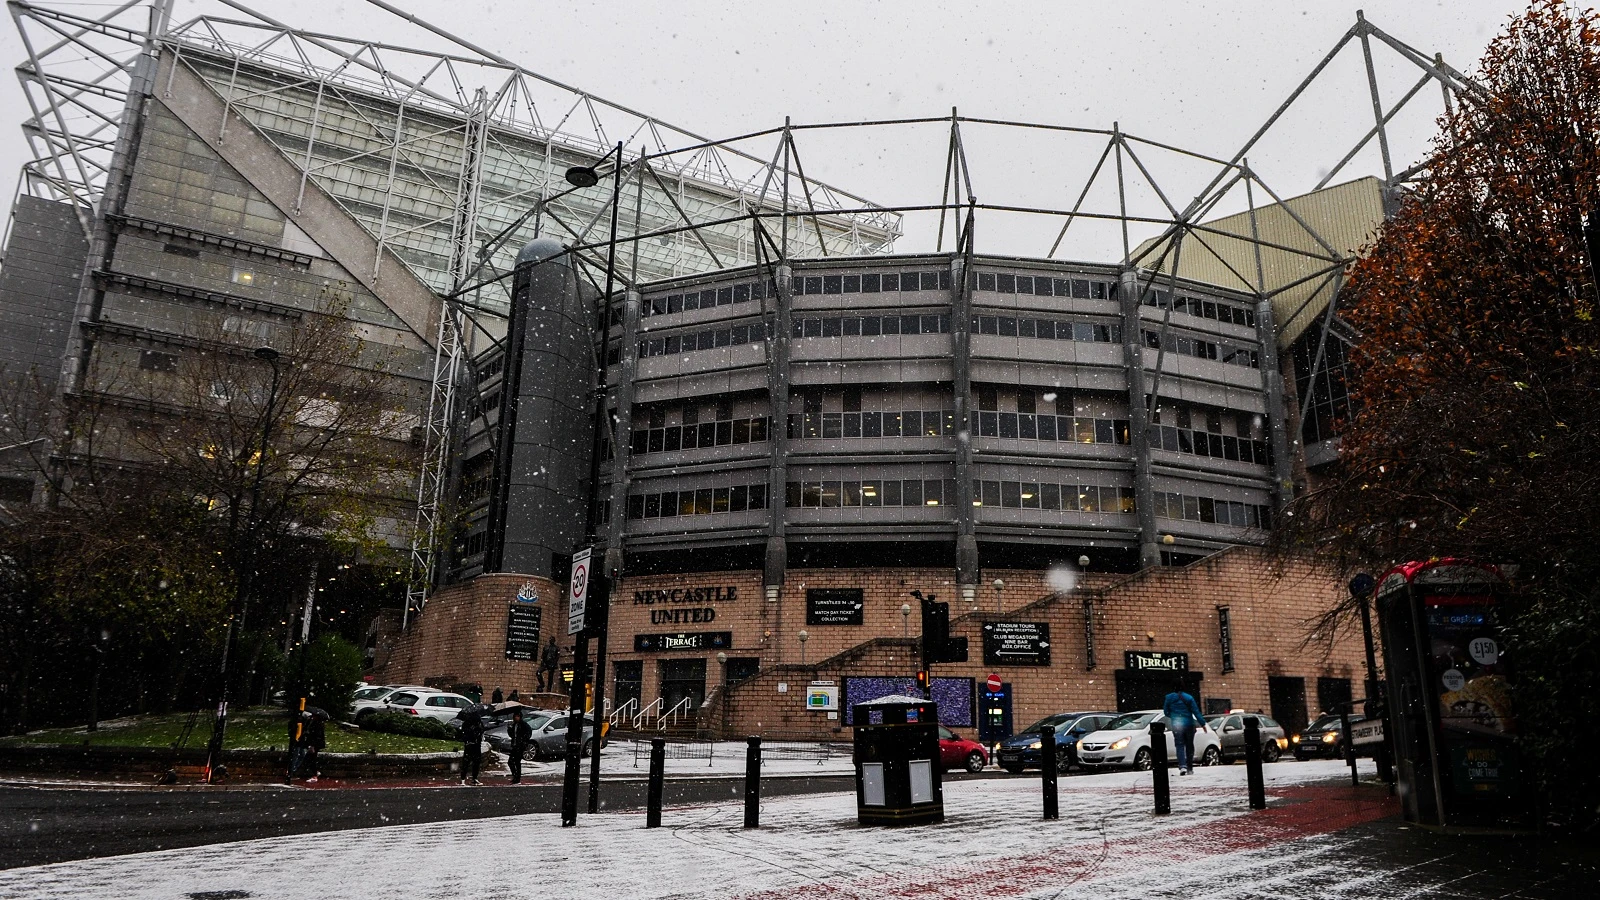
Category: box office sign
[1016,644]
[834,606]
[1155,661]
[694,640]
[522,632]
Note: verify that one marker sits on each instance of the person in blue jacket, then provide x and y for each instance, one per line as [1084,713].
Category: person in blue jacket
[1183,717]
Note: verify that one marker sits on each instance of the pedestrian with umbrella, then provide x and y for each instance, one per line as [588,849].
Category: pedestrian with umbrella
[521,735]
[472,742]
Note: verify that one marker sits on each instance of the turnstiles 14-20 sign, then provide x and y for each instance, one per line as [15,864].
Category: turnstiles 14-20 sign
[1016,644]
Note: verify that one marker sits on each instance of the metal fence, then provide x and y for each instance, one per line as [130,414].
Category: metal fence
[771,749]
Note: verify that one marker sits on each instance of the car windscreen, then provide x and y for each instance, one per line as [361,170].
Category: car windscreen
[1323,723]
[370,693]
[1131,721]
[1055,721]
[536,722]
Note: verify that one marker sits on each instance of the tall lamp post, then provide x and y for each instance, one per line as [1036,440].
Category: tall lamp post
[245,554]
[583,177]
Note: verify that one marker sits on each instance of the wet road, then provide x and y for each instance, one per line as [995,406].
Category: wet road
[46,824]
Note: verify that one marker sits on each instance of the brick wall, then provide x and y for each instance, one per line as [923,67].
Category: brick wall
[462,633]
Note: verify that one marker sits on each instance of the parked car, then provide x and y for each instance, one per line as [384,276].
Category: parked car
[1021,751]
[1125,741]
[422,702]
[1230,732]
[369,700]
[956,752]
[1323,738]
[549,734]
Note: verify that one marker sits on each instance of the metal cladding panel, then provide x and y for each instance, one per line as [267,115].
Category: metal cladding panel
[546,495]
[1346,216]
[39,286]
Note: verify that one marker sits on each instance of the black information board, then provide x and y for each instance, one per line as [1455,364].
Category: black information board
[1016,643]
[834,606]
[1225,637]
[522,632]
[693,640]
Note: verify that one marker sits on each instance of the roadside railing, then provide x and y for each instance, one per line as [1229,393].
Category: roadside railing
[819,752]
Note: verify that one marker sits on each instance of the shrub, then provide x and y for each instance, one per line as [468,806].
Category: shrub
[410,726]
[325,671]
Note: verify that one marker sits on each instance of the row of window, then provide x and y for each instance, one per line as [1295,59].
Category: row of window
[705,434]
[892,492]
[1080,288]
[700,502]
[1217,512]
[942,492]
[905,423]
[869,326]
[1215,446]
[925,423]
[1205,309]
[1187,346]
[1043,427]
[1048,329]
[726,295]
[872,282]
[699,340]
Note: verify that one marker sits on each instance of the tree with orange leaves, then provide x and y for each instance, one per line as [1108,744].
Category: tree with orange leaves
[1476,377]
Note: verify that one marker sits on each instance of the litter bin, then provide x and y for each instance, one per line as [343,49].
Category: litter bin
[897,761]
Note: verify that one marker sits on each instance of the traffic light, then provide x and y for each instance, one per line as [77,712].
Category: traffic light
[923,682]
[937,645]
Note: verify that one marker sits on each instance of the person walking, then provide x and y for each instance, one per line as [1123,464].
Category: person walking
[471,748]
[1183,717]
[497,698]
[298,721]
[316,739]
[521,734]
[549,662]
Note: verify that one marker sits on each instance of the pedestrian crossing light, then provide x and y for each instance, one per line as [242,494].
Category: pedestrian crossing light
[923,682]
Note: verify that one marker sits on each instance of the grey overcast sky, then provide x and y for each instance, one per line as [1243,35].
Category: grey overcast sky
[1201,75]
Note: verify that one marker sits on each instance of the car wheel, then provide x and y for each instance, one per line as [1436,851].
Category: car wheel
[1063,763]
[1015,770]
[1270,751]
[1211,757]
[1141,760]
[975,762]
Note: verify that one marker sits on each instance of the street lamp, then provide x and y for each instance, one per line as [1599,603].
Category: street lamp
[584,177]
[999,585]
[803,636]
[244,553]
[905,620]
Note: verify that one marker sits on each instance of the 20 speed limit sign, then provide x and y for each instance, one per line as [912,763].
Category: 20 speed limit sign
[578,591]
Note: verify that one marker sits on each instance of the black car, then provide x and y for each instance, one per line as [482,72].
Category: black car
[1322,738]
[1021,751]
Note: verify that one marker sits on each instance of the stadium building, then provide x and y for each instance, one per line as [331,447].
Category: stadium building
[774,428]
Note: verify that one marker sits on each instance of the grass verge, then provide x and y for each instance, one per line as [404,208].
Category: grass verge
[255,728]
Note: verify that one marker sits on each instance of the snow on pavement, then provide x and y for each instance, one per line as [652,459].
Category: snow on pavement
[992,844]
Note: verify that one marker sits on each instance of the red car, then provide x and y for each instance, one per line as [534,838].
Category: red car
[956,752]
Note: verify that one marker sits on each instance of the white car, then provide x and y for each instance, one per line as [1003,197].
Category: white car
[440,705]
[1126,742]
[370,699]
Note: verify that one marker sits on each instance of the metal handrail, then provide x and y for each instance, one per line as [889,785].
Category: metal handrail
[678,709]
[644,712]
[621,712]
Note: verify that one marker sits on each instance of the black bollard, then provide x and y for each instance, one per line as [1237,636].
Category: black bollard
[1252,763]
[1348,746]
[1158,767]
[752,783]
[1047,772]
[658,765]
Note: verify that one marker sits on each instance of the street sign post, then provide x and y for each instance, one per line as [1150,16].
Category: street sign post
[578,591]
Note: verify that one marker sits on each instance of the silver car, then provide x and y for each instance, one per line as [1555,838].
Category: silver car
[549,734]
[1230,728]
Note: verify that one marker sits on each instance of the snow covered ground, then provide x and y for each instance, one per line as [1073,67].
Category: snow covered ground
[993,844]
[625,759]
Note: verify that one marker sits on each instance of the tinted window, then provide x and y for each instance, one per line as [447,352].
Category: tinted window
[403,699]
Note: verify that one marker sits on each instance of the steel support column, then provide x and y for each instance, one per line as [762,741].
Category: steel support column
[1128,293]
